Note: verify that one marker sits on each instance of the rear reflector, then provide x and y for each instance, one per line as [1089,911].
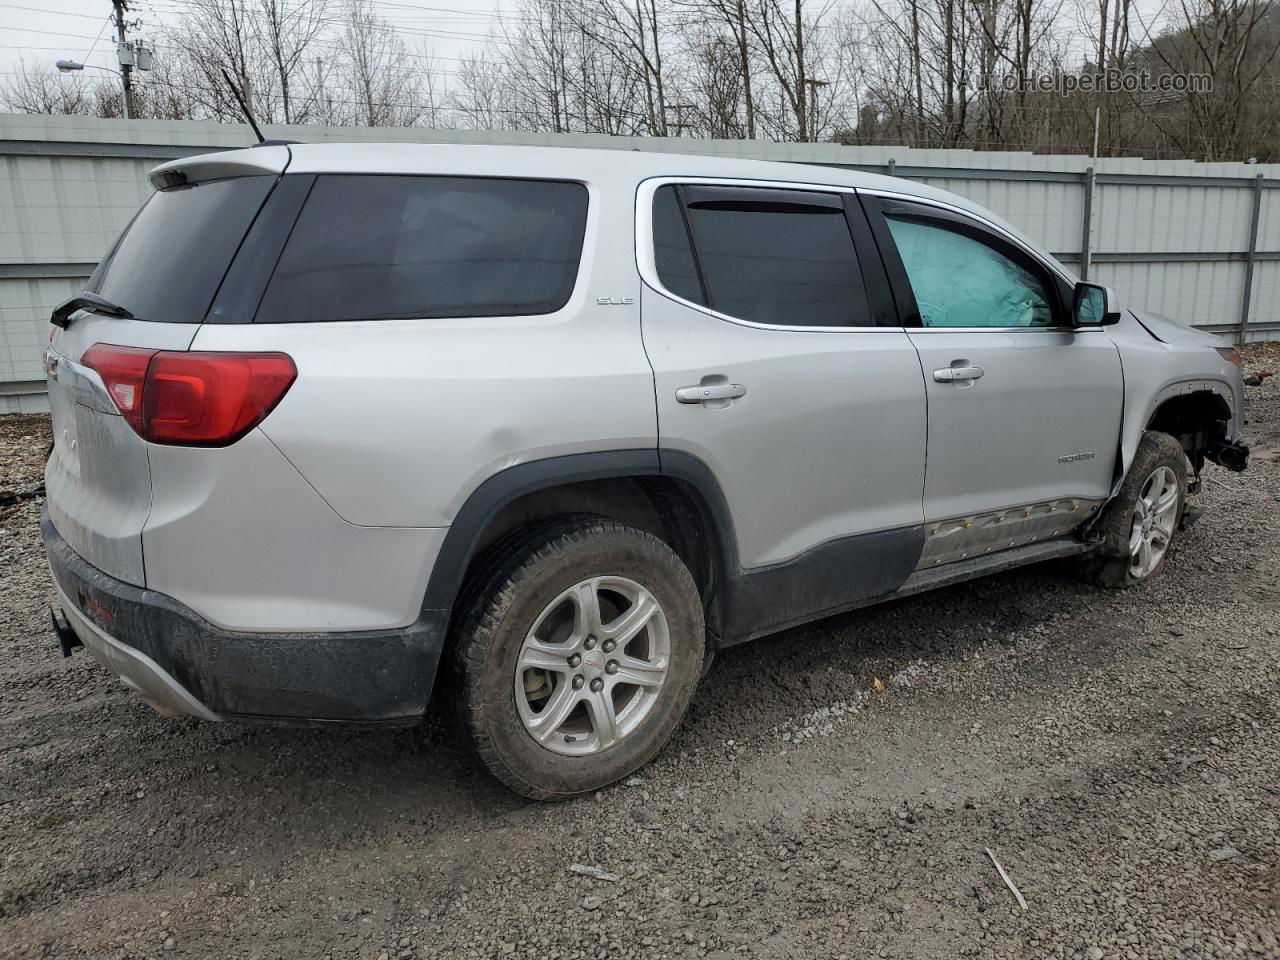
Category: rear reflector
[124,371]
[191,399]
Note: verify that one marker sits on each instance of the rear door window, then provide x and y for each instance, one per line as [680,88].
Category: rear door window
[167,265]
[672,251]
[384,247]
[770,256]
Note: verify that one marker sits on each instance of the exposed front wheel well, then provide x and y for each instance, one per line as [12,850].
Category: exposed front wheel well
[1198,420]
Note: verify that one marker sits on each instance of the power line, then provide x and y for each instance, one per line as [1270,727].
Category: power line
[437,34]
[105,22]
[62,13]
[425,60]
[177,8]
[189,89]
[331,43]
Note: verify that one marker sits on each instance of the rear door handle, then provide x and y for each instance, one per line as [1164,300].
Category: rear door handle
[955,374]
[704,392]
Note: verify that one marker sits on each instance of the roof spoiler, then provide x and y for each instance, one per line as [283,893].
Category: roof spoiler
[217,166]
[263,160]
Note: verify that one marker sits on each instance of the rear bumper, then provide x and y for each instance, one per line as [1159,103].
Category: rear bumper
[180,663]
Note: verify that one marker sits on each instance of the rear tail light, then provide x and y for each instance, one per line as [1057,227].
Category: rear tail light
[192,399]
[1231,355]
[124,372]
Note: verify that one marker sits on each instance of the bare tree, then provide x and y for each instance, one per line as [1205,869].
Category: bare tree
[924,69]
[217,35]
[383,82]
[1234,43]
[917,72]
[35,92]
[716,83]
[287,31]
[779,29]
[695,16]
[480,93]
[631,32]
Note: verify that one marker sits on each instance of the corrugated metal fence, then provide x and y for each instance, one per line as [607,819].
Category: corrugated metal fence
[1198,242]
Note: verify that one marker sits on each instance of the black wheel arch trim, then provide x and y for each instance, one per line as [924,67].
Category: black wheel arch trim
[505,486]
[511,483]
[831,577]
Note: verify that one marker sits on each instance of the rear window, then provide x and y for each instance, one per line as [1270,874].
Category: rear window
[383,247]
[167,265]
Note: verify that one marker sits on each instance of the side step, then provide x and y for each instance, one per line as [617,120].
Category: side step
[961,570]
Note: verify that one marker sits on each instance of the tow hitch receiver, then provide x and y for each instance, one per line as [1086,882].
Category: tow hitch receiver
[67,638]
[1233,456]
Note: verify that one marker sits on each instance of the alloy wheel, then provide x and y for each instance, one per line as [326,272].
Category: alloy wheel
[1154,515]
[592,665]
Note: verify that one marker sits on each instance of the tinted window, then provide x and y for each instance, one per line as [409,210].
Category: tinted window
[375,247]
[168,263]
[779,263]
[672,252]
[959,281]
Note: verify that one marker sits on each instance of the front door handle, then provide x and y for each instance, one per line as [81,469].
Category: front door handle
[956,374]
[705,392]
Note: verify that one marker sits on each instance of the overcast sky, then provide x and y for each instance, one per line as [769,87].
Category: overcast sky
[38,32]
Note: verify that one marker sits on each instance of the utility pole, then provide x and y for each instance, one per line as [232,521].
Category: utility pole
[813,106]
[680,109]
[126,68]
[745,59]
[802,87]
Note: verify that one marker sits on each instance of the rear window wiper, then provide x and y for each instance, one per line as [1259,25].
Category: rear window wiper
[91,302]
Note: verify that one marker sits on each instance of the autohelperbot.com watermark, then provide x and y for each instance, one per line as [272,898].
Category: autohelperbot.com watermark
[1135,82]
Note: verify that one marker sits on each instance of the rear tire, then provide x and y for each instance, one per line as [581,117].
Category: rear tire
[1140,523]
[577,657]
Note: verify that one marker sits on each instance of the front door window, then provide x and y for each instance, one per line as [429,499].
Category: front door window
[959,281]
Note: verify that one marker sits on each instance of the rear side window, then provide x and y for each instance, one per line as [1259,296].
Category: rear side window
[167,265]
[383,247]
[771,256]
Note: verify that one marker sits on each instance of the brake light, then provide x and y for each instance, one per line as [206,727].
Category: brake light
[191,399]
[212,399]
[1231,355]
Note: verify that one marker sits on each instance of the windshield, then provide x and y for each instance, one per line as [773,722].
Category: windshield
[168,263]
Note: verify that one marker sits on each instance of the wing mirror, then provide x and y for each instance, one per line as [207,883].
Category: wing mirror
[1094,306]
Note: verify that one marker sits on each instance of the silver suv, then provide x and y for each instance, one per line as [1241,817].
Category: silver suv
[540,430]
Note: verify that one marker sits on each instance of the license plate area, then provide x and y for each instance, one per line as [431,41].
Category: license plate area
[66,429]
[98,480]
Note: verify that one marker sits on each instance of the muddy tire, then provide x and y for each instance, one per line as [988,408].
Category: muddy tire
[1141,522]
[577,657]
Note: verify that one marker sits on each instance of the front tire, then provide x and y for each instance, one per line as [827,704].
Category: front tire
[578,657]
[1141,522]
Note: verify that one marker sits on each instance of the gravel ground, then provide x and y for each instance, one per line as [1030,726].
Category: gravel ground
[830,795]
